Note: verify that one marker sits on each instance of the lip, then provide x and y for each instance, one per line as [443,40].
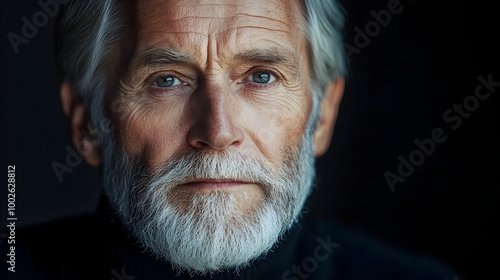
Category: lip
[215,183]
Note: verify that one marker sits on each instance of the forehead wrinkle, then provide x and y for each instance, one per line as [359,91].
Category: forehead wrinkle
[245,20]
[226,27]
[262,17]
[189,18]
[252,16]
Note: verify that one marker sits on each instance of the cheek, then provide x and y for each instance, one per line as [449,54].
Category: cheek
[280,126]
[148,134]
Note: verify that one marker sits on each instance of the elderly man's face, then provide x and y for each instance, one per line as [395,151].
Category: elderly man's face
[215,76]
[212,155]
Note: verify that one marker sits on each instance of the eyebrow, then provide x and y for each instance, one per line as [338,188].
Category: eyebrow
[280,56]
[274,55]
[163,56]
[271,55]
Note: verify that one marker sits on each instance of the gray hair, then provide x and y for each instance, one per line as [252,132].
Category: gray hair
[88,36]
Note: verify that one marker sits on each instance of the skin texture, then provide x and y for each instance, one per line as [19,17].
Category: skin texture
[215,104]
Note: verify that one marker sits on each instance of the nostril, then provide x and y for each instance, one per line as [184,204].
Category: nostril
[199,145]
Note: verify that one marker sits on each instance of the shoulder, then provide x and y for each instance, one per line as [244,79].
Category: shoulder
[356,255]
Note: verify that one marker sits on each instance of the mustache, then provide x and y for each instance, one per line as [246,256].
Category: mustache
[210,165]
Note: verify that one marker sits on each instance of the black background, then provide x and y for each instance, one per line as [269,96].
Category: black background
[426,59]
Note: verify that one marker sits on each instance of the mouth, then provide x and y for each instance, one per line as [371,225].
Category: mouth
[212,183]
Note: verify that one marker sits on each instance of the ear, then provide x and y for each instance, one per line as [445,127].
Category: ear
[82,130]
[329,110]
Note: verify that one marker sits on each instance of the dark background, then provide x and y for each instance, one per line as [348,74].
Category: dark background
[427,58]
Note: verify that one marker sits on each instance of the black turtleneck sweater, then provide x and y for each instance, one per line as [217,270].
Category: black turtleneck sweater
[97,247]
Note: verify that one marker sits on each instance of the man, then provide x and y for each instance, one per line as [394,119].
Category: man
[206,118]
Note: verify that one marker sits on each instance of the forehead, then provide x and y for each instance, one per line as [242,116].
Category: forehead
[217,27]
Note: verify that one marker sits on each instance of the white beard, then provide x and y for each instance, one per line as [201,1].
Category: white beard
[212,233]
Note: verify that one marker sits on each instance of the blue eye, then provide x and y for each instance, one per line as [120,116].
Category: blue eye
[167,81]
[262,77]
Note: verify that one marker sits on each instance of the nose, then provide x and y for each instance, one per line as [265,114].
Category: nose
[216,126]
